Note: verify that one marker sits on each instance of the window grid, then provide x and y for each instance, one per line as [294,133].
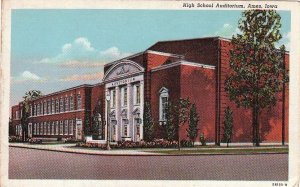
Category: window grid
[71,103]
[78,101]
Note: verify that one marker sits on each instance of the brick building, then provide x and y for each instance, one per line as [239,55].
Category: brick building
[168,70]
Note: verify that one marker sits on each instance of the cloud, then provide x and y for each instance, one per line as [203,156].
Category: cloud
[81,53]
[27,76]
[92,76]
[78,64]
[227,31]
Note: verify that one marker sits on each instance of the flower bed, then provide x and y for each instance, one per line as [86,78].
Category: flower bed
[35,141]
[160,143]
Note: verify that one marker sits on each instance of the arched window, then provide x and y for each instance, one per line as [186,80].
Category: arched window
[163,102]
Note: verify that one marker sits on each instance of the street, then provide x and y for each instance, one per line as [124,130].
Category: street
[39,164]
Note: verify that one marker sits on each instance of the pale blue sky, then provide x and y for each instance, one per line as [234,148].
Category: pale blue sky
[57,49]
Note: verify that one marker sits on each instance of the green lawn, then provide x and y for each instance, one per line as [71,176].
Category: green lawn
[224,151]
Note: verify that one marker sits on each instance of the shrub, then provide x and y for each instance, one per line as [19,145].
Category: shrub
[202,139]
[15,139]
[35,141]
[70,140]
[187,143]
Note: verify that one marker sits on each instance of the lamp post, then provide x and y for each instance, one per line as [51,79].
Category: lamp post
[108,120]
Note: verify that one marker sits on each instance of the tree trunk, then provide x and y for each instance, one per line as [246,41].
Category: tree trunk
[179,145]
[255,124]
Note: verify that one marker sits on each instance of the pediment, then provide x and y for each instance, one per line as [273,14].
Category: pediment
[123,68]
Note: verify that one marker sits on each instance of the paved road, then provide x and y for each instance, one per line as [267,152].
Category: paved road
[39,164]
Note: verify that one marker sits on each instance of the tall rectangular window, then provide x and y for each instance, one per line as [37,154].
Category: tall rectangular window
[61,105]
[125,96]
[163,104]
[56,128]
[45,108]
[56,106]
[113,98]
[66,131]
[66,104]
[30,106]
[38,129]
[34,129]
[53,108]
[45,128]
[61,128]
[78,101]
[71,127]
[125,130]
[48,128]
[34,111]
[38,109]
[138,95]
[71,103]
[52,128]
[48,107]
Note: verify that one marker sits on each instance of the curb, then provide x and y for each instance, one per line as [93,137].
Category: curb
[154,154]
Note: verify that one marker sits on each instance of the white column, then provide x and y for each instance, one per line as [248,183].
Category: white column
[142,109]
[117,111]
[129,105]
[106,114]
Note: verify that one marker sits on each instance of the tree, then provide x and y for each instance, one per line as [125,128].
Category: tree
[25,110]
[193,124]
[228,124]
[182,106]
[257,67]
[169,126]
[148,122]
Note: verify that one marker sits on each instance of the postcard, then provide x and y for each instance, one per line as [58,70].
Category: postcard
[152,93]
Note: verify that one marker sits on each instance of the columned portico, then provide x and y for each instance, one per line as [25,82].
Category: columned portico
[125,83]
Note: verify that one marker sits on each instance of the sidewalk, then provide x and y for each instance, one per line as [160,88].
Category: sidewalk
[70,148]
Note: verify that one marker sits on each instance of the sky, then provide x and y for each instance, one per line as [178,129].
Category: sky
[53,49]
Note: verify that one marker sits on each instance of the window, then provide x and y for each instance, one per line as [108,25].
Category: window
[113,95]
[71,127]
[45,108]
[48,128]
[56,128]
[34,129]
[34,111]
[49,107]
[53,108]
[78,101]
[38,109]
[124,96]
[61,128]
[45,128]
[66,104]
[71,103]
[17,114]
[38,129]
[66,127]
[163,103]
[125,130]
[56,106]
[61,105]
[30,106]
[138,94]
[52,128]
[114,130]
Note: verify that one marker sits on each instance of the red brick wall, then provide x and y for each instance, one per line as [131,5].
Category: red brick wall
[98,94]
[169,78]
[198,84]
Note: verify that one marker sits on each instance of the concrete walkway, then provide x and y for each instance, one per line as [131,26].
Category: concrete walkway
[70,148]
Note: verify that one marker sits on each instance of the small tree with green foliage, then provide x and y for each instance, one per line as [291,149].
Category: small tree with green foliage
[193,124]
[228,125]
[169,125]
[30,95]
[182,108]
[148,122]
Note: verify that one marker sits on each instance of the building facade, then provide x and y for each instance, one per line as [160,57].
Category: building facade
[167,71]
